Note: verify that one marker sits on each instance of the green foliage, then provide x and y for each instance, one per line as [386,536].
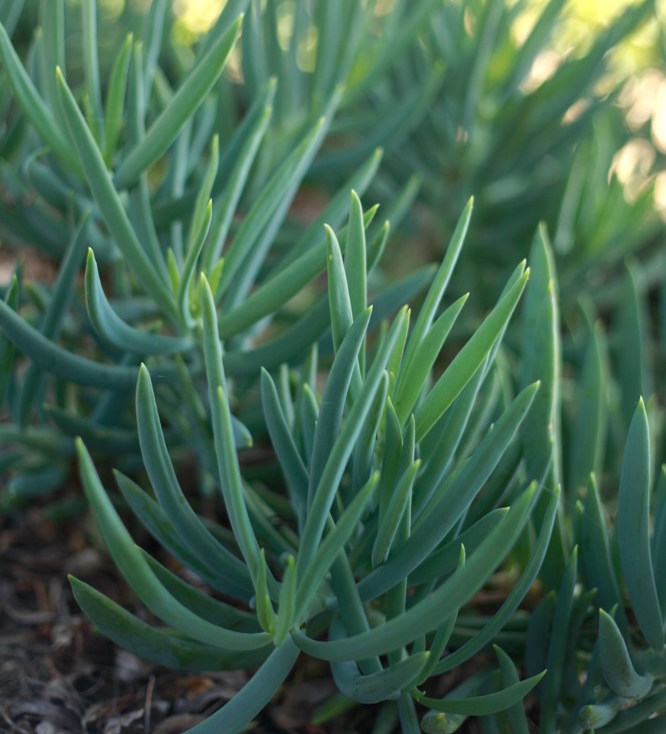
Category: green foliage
[529,129]
[137,168]
[193,200]
[297,588]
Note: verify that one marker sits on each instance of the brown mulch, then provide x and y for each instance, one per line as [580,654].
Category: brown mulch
[59,676]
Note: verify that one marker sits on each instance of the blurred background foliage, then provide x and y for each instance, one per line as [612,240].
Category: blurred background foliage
[545,110]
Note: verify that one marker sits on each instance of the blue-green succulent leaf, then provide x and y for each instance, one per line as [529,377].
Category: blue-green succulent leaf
[393,515]
[153,518]
[160,645]
[137,572]
[51,325]
[414,373]
[270,200]
[33,105]
[514,716]
[157,461]
[334,399]
[484,705]
[112,328]
[61,362]
[109,202]
[191,93]
[618,670]
[463,366]
[633,529]
[450,500]
[588,431]
[225,449]
[444,601]
[438,287]
[235,715]
[551,691]
[512,600]
[377,687]
[332,545]
[282,438]
[341,449]
[595,551]
[287,600]
[115,98]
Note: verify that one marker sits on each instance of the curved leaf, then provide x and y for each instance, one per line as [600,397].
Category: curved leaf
[109,202]
[139,575]
[490,703]
[450,500]
[187,523]
[512,600]
[33,105]
[234,716]
[616,664]
[412,379]
[342,447]
[112,328]
[334,399]
[444,601]
[162,646]
[377,687]
[62,363]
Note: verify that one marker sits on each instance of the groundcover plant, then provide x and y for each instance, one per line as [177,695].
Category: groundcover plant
[414,459]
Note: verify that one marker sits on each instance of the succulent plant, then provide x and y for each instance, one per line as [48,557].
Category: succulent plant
[608,676]
[529,128]
[380,545]
[401,465]
[599,628]
[141,177]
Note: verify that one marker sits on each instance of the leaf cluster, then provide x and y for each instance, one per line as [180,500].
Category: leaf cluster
[408,458]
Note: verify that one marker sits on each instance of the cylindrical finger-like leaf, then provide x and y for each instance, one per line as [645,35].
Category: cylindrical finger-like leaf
[234,716]
[490,703]
[541,360]
[54,316]
[139,575]
[115,98]
[467,361]
[393,515]
[157,461]
[112,328]
[378,687]
[427,614]
[338,291]
[633,529]
[453,497]
[32,104]
[595,552]
[438,288]
[616,664]
[59,361]
[162,646]
[179,110]
[109,202]
[334,399]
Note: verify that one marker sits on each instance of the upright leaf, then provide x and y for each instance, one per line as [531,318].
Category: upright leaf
[633,529]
